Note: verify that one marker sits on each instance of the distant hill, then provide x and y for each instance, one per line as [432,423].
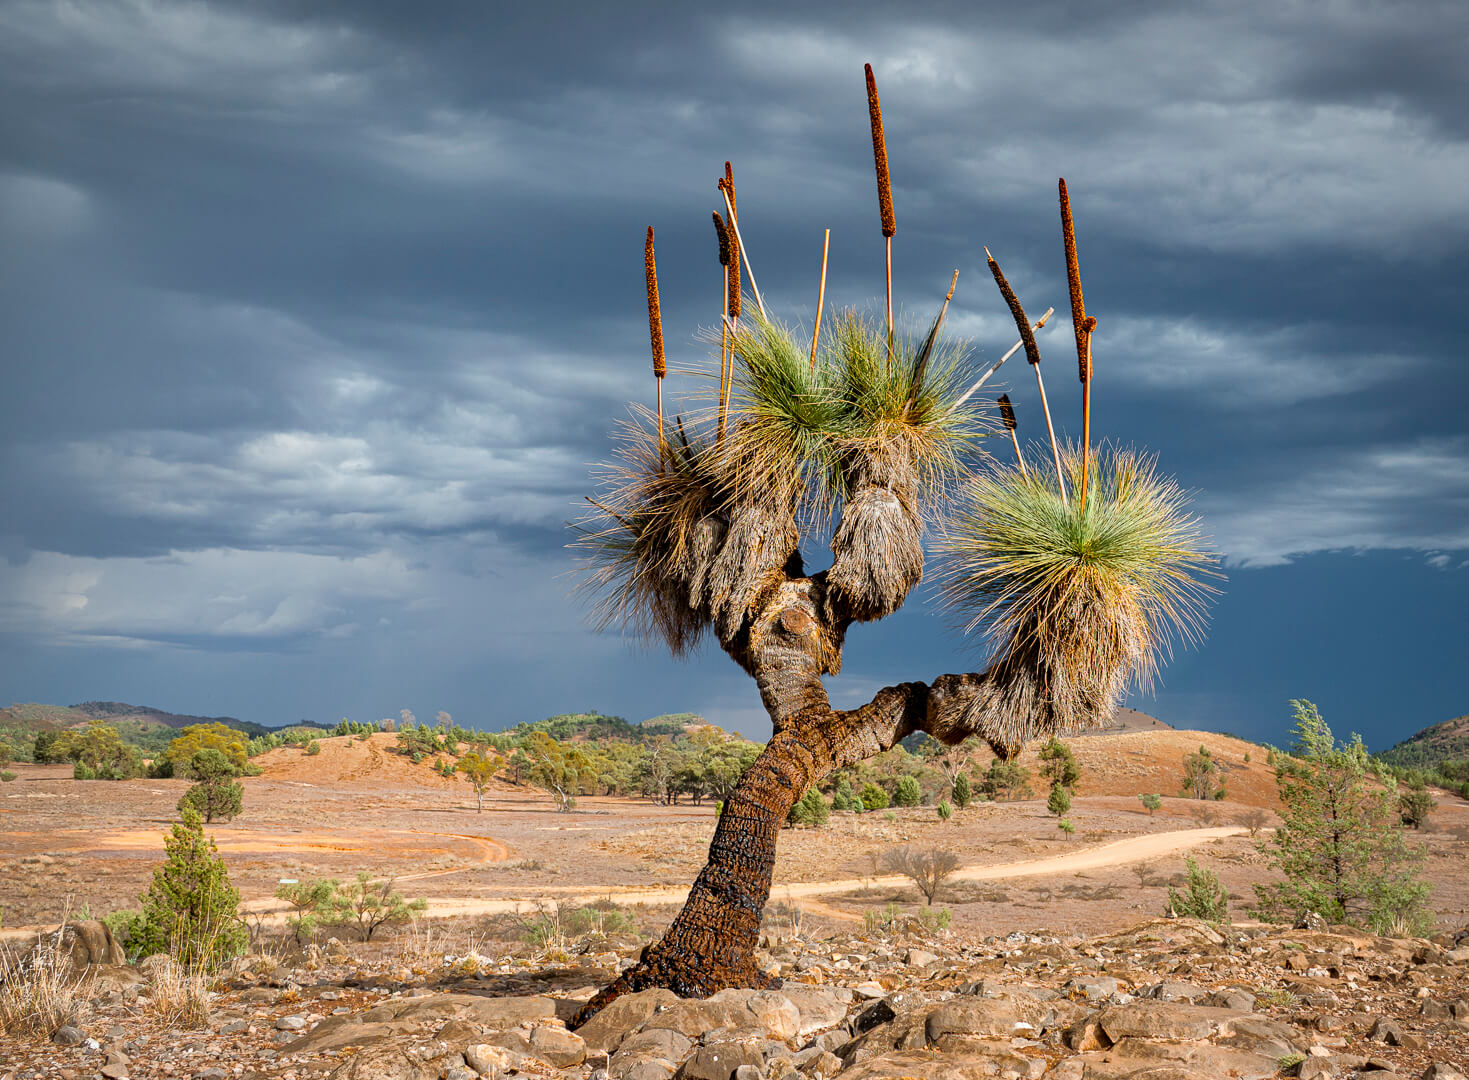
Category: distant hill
[142,726]
[591,726]
[109,711]
[1448,741]
[1129,720]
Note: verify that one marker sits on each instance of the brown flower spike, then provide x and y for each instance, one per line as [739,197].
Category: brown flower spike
[655,315]
[723,234]
[1007,412]
[1032,350]
[732,280]
[1079,319]
[880,158]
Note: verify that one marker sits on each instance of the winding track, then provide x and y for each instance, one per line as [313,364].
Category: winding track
[1118,853]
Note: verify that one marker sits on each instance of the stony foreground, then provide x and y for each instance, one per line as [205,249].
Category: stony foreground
[1168,1000]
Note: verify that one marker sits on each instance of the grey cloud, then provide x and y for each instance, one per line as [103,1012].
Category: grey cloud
[356,288]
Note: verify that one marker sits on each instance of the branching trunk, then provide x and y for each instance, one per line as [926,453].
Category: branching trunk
[787,630]
[711,944]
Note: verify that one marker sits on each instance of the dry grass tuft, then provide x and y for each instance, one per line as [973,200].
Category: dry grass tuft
[180,996]
[40,992]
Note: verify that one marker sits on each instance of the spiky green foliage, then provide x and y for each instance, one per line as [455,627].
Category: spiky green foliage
[689,528]
[1075,604]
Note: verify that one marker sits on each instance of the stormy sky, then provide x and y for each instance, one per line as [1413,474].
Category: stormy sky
[315,320]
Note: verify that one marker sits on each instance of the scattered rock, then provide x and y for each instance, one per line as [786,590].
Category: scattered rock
[603,1032]
[558,1046]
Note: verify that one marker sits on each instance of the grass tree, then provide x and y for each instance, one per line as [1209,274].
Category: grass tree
[873,444]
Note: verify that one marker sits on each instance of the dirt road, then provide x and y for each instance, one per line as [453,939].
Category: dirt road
[1120,853]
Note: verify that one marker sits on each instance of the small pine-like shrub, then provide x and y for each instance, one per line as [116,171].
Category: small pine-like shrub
[962,792]
[842,797]
[1202,897]
[6,776]
[908,792]
[1066,826]
[1151,803]
[945,811]
[874,797]
[810,809]
[217,795]
[189,911]
[313,748]
[1060,801]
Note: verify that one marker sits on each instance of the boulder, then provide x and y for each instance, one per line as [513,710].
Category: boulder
[1160,1020]
[818,1009]
[718,1061]
[655,1043]
[733,1013]
[652,1069]
[989,1017]
[487,1060]
[558,1046]
[605,1031]
[1176,991]
[498,1013]
[84,944]
[402,1058]
[923,1065]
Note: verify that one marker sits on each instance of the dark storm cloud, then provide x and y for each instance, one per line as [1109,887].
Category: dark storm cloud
[316,316]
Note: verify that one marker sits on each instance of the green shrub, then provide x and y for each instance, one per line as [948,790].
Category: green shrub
[874,797]
[313,748]
[932,920]
[189,911]
[217,794]
[1202,775]
[1058,764]
[6,776]
[962,791]
[1066,826]
[1202,897]
[1151,803]
[309,900]
[945,811]
[557,926]
[1060,801]
[810,809]
[1006,780]
[842,797]
[1340,843]
[1415,804]
[370,905]
[126,926]
[908,792]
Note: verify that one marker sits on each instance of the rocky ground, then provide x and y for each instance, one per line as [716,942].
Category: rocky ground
[1166,1000]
